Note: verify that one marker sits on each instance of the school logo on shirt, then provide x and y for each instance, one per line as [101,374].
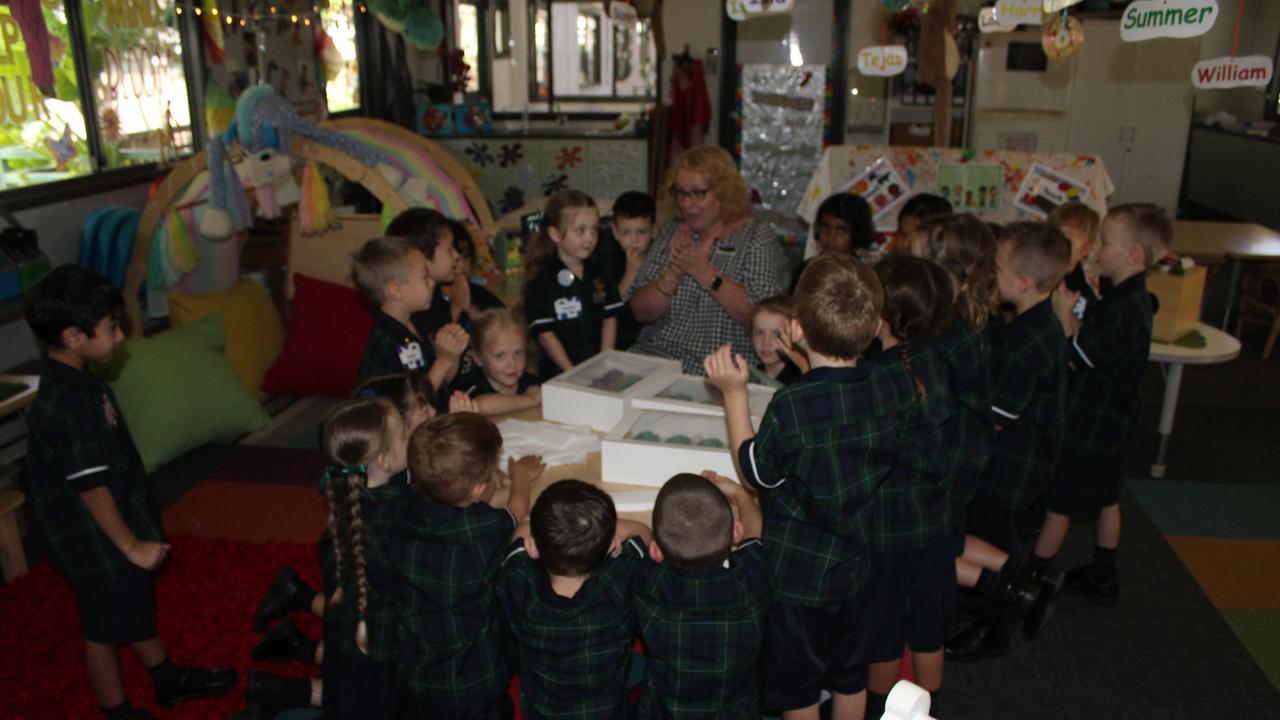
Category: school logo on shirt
[411,356]
[599,295]
[569,308]
[109,412]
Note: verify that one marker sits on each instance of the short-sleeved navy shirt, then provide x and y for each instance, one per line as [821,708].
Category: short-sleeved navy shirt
[573,308]
[476,383]
[393,348]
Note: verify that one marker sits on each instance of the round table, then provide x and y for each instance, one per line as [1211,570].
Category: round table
[1219,347]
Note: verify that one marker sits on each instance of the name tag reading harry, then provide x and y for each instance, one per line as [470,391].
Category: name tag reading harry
[568,308]
[411,356]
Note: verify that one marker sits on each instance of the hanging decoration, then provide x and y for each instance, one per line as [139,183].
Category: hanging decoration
[314,212]
[1147,19]
[1232,71]
[1053,6]
[219,108]
[1062,38]
[882,60]
[1019,12]
[211,32]
[411,18]
[988,22]
[182,253]
[739,10]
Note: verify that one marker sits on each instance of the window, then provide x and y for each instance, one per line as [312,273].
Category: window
[591,55]
[469,42]
[502,42]
[338,56]
[588,49]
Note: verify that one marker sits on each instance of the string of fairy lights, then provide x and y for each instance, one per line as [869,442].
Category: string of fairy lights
[273,12]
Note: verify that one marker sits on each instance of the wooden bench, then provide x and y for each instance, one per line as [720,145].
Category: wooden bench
[13,561]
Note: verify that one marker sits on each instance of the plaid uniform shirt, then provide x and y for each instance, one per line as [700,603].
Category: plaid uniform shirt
[694,324]
[825,445]
[454,645]
[1028,397]
[575,311]
[702,633]
[380,509]
[77,441]
[912,507]
[1108,356]
[575,653]
[476,383]
[1078,281]
[393,348]
[967,355]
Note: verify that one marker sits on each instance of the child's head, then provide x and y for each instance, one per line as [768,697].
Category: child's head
[499,344]
[966,248]
[770,319]
[838,304]
[409,393]
[1134,237]
[843,224]
[918,298]
[921,207]
[1031,259]
[430,231]
[573,525]
[570,229]
[693,523]
[464,247]
[76,309]
[1079,223]
[453,458]
[634,215]
[392,270]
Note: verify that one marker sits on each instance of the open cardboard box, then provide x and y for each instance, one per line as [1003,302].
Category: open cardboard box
[598,392]
[690,394]
[649,446]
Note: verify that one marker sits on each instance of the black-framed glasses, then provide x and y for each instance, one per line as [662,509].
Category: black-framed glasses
[695,194]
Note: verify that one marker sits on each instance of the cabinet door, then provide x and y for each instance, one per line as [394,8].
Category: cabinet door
[1161,106]
[1101,98]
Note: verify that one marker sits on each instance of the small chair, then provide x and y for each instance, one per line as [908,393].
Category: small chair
[13,561]
[1260,303]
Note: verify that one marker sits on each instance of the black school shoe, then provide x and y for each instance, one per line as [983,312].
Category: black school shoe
[283,642]
[190,683]
[1082,581]
[279,599]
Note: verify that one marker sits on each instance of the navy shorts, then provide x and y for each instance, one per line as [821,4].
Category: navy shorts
[807,650]
[1083,485]
[1000,527]
[912,599]
[118,612]
[357,687]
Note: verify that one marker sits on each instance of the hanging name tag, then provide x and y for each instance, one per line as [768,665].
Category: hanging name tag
[1053,6]
[411,356]
[1147,19]
[1229,72]
[1019,12]
[568,308]
[739,10]
[882,60]
[989,23]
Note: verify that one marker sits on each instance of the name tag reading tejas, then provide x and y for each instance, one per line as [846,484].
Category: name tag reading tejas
[568,308]
[411,356]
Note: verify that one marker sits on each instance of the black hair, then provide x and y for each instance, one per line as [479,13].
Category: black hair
[918,305]
[693,523]
[71,296]
[855,211]
[573,524]
[923,206]
[462,239]
[635,204]
[423,227]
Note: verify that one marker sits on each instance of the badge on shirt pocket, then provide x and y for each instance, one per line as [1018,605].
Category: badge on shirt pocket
[411,356]
[569,308]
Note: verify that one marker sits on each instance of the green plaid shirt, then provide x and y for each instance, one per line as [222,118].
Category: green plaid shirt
[454,645]
[1028,397]
[77,441]
[575,653]
[380,509]
[1108,357]
[911,508]
[702,633]
[968,361]
[825,445]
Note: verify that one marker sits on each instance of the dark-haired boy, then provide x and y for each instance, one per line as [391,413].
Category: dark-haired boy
[91,496]
[918,208]
[825,445]
[566,588]
[702,605]
[623,249]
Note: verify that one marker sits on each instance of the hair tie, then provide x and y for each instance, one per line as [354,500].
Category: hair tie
[334,472]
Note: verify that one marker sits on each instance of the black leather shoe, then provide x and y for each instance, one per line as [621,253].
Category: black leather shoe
[189,683]
[279,598]
[1081,581]
[283,642]
[1040,614]
[979,640]
[1047,577]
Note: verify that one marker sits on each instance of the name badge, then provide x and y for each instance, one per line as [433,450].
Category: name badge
[1078,309]
[411,356]
[568,308]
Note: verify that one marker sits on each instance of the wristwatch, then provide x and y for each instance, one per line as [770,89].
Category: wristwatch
[715,284]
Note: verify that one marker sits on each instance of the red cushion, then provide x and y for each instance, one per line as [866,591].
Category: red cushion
[324,341]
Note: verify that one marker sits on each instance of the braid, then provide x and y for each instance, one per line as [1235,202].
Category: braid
[921,393]
[336,536]
[357,532]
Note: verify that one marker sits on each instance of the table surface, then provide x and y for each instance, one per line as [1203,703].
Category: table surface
[22,399]
[1219,347]
[1245,241]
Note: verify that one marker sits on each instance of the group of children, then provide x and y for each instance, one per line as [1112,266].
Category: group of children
[927,390]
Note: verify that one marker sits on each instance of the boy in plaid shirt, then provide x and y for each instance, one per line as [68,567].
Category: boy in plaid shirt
[566,588]
[701,604]
[1108,355]
[446,550]
[92,501]
[825,445]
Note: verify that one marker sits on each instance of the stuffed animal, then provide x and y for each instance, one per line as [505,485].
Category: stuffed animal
[264,125]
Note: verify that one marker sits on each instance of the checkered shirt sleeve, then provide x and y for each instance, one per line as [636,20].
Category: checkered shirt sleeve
[574,653]
[968,359]
[702,635]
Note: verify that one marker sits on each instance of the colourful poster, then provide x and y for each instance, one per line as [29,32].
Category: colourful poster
[881,186]
[970,187]
[1042,190]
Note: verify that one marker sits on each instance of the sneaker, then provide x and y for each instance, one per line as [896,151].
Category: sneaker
[1081,581]
[279,598]
[282,642]
[189,683]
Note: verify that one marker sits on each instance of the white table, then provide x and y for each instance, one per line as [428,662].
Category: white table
[1219,347]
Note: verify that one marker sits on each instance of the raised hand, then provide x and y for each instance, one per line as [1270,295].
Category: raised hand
[451,341]
[726,370]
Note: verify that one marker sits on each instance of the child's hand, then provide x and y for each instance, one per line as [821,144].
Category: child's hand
[461,402]
[534,393]
[788,346]
[146,554]
[634,259]
[727,371]
[451,342]
[527,469]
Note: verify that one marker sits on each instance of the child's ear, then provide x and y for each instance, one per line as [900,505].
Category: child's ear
[797,332]
[73,337]
[655,552]
[477,492]
[392,291]
[738,532]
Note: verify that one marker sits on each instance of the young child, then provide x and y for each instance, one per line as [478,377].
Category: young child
[634,219]
[701,605]
[913,579]
[1028,388]
[499,383]
[570,301]
[1108,356]
[393,273]
[779,362]
[918,208]
[1079,223]
[93,505]
[843,226]
[431,232]
[567,597]
[480,298]
[825,445]
[446,551]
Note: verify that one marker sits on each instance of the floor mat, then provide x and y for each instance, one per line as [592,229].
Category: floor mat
[250,512]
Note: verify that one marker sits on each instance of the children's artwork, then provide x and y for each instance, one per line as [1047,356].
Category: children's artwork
[881,186]
[1230,72]
[1042,190]
[882,60]
[970,187]
[1147,19]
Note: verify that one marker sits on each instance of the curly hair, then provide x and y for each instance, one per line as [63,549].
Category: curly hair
[722,176]
[965,247]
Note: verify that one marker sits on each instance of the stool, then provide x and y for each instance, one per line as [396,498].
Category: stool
[13,561]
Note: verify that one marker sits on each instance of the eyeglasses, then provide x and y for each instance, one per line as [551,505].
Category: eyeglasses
[680,194]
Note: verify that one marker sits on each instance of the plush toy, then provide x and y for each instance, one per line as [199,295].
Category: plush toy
[264,124]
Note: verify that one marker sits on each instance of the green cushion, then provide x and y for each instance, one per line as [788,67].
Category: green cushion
[178,392]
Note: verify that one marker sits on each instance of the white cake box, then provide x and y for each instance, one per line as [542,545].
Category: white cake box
[639,450]
[597,392]
[687,393]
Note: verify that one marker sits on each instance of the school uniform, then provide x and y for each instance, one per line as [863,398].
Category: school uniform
[573,308]
[702,632]
[613,258]
[440,313]
[455,655]
[967,354]
[476,383]
[77,441]
[1078,281]
[1028,397]
[393,348]
[1107,359]
[574,653]
[825,445]
[790,373]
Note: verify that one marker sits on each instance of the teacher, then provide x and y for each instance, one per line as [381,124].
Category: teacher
[700,279]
